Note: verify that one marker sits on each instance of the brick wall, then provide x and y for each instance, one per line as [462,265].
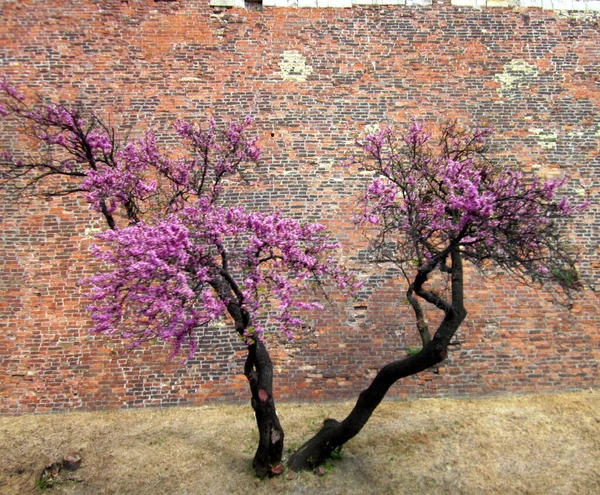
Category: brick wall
[313,78]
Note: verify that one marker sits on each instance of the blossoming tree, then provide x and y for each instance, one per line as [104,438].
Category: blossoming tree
[431,206]
[176,258]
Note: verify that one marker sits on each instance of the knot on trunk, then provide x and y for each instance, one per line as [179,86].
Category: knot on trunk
[263,396]
[329,423]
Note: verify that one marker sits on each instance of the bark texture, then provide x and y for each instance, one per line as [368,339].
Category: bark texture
[258,369]
[335,434]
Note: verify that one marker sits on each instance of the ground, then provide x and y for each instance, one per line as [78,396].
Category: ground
[535,444]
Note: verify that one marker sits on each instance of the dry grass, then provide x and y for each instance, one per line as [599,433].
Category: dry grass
[546,444]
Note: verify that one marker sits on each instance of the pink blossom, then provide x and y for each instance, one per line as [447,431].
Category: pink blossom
[162,275]
[428,199]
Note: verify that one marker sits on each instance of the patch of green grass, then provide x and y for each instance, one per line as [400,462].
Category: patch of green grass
[413,351]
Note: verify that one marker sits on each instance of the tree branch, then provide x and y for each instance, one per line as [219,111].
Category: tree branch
[422,326]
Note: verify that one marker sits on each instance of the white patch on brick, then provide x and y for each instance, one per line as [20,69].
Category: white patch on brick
[517,74]
[545,139]
[370,129]
[293,66]
[576,134]
[326,163]
[92,232]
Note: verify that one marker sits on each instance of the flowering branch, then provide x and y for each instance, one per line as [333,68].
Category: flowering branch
[428,199]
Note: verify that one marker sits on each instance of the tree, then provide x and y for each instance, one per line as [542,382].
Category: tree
[176,258]
[184,258]
[432,206]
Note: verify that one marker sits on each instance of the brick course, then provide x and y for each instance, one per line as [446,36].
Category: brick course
[313,78]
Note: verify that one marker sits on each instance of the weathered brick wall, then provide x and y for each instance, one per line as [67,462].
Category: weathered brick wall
[313,78]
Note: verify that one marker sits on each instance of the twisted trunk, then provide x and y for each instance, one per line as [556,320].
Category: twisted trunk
[335,434]
[259,371]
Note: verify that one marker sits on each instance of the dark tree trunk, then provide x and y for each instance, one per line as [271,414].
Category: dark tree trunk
[259,371]
[334,434]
